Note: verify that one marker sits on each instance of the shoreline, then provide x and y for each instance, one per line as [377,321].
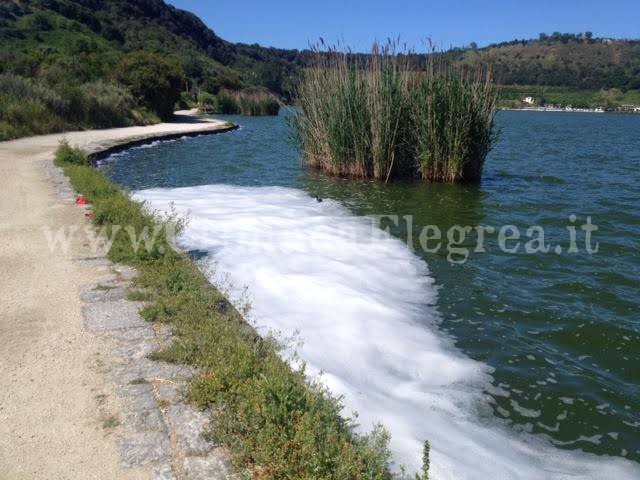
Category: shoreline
[566,110]
[136,142]
[554,109]
[104,142]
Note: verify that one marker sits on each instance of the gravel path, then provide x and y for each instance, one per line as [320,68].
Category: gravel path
[79,399]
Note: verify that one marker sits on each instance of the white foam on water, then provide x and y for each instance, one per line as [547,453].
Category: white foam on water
[364,306]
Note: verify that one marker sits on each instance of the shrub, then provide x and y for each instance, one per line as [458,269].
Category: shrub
[68,155]
[223,80]
[187,100]
[106,105]
[154,81]
[207,102]
[31,116]
[383,117]
[28,107]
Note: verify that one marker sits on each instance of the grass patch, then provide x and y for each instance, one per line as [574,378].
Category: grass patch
[139,296]
[138,381]
[384,116]
[66,154]
[272,418]
[110,422]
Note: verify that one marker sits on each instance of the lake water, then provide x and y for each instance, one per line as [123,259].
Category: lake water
[514,365]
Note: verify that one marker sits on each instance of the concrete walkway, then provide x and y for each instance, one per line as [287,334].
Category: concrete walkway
[72,399]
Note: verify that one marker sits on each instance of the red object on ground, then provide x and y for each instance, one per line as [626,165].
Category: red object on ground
[81,201]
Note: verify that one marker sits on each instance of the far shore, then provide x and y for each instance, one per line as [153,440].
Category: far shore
[567,110]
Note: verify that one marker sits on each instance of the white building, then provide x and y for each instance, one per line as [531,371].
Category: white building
[529,100]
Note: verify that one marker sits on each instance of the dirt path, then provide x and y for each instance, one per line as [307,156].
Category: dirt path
[53,420]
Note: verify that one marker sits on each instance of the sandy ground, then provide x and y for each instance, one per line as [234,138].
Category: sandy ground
[51,419]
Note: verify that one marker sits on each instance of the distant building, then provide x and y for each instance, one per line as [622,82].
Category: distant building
[529,100]
[630,108]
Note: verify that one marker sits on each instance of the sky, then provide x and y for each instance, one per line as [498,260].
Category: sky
[296,23]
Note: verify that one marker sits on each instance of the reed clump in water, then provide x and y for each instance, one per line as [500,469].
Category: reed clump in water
[250,102]
[383,116]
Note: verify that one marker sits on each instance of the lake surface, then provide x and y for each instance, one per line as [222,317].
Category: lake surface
[512,364]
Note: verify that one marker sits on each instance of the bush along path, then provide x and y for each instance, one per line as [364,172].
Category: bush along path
[273,422]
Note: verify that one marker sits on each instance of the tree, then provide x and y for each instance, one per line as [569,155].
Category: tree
[228,80]
[153,80]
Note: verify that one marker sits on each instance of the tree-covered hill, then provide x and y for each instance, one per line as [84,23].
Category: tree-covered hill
[568,60]
[101,63]
[85,39]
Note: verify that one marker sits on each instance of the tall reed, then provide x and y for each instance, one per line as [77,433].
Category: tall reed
[383,116]
[250,102]
[452,122]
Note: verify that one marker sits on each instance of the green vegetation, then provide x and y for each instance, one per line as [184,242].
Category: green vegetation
[452,123]
[154,81]
[70,64]
[68,155]
[384,118]
[111,422]
[30,107]
[251,102]
[272,418]
[70,57]
[578,61]
[426,460]
[138,381]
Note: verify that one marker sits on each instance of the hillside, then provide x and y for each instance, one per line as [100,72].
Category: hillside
[84,40]
[563,69]
[77,64]
[46,34]
[69,64]
[568,60]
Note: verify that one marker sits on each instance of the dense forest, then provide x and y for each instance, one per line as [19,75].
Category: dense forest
[102,63]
